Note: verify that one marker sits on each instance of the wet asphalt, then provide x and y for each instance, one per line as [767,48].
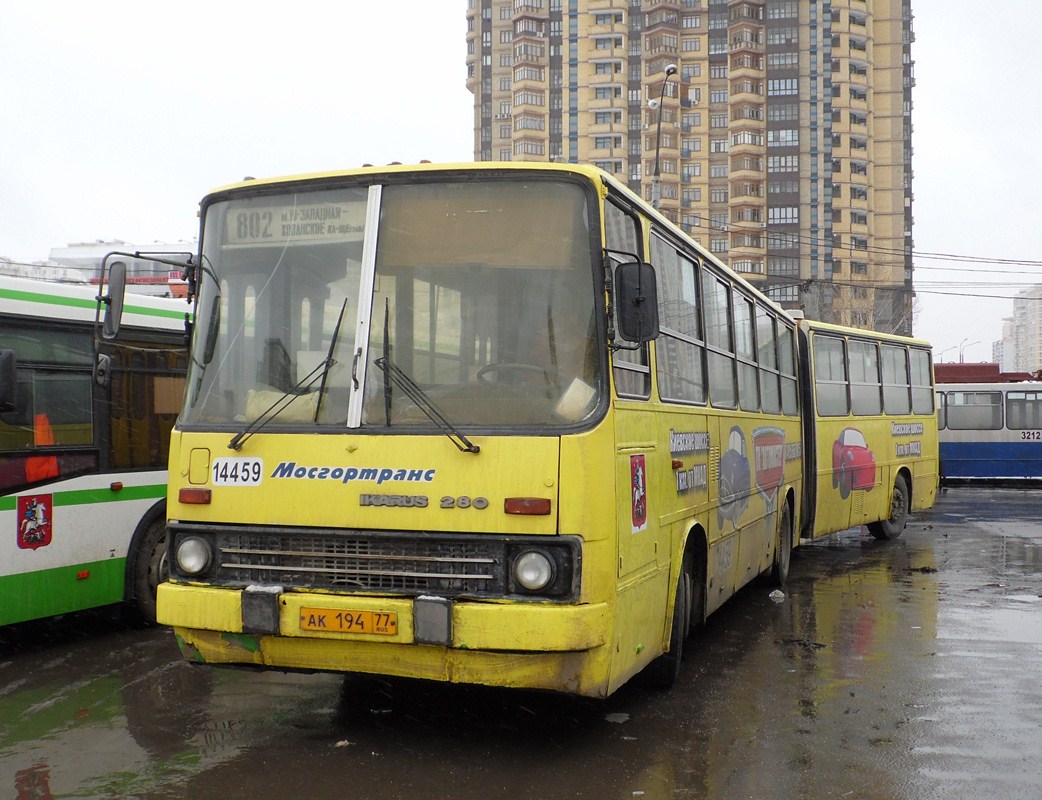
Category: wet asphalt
[909,669]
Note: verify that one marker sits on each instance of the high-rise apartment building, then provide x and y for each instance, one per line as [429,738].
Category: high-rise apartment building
[782,140]
[1020,349]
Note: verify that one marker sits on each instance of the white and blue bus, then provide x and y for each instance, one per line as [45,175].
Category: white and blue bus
[84,436]
[990,431]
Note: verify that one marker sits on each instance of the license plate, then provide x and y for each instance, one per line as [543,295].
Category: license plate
[384,623]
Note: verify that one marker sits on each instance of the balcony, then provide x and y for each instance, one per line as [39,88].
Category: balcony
[745,166]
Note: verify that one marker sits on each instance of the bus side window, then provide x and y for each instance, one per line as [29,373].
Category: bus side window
[630,368]
[830,376]
[1024,411]
[716,296]
[922,383]
[865,396]
[680,355]
[8,380]
[896,386]
[974,411]
[787,367]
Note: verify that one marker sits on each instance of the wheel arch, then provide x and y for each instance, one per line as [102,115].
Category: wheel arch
[696,553]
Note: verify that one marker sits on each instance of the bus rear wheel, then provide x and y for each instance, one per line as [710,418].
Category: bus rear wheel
[894,526]
[783,547]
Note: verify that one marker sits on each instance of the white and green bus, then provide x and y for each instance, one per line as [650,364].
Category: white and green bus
[84,435]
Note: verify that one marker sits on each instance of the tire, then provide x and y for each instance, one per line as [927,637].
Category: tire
[662,673]
[149,569]
[894,526]
[783,548]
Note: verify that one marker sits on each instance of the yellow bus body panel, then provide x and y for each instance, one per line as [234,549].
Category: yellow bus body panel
[308,496]
[507,644]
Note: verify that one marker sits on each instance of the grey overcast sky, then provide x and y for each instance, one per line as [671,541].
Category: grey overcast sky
[119,116]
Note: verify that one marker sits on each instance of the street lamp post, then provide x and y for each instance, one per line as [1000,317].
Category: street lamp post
[940,356]
[656,188]
[963,346]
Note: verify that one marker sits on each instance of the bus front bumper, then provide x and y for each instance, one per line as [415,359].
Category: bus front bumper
[505,644]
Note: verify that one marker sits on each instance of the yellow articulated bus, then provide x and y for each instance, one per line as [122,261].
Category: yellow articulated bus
[488,423]
[870,429]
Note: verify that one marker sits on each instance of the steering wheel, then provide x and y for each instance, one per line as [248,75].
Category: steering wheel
[506,366]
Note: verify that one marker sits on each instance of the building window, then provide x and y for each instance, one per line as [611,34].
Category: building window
[692,195]
[528,147]
[783,111]
[782,265]
[783,9]
[782,36]
[747,137]
[783,241]
[780,60]
[782,86]
[526,122]
[783,138]
[782,187]
[783,294]
[783,163]
[528,99]
[783,215]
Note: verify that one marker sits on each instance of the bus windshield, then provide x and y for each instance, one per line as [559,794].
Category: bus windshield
[364,306]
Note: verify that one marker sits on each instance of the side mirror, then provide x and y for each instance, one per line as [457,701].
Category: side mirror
[636,293]
[8,381]
[117,286]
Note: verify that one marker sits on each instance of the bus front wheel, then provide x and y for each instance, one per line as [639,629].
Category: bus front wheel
[662,673]
[892,527]
[150,568]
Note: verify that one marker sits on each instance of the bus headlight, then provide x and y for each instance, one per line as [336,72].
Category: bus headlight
[193,555]
[533,570]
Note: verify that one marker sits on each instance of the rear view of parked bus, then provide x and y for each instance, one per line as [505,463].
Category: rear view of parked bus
[432,430]
[990,431]
[870,430]
[83,451]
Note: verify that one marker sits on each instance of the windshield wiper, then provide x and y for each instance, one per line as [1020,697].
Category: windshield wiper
[283,402]
[424,403]
[329,362]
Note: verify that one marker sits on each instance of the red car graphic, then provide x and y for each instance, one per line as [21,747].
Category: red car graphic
[853,465]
